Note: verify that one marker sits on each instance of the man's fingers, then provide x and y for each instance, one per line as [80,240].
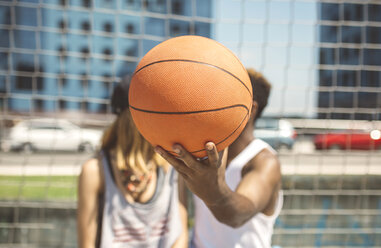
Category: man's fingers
[213,156]
[185,156]
[176,163]
[223,157]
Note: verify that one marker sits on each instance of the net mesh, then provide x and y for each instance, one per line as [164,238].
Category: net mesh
[60,59]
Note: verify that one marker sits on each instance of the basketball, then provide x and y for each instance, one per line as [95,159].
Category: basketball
[190,90]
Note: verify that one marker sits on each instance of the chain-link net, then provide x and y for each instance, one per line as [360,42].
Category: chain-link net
[60,59]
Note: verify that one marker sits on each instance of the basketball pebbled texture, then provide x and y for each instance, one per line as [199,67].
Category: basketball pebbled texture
[190,90]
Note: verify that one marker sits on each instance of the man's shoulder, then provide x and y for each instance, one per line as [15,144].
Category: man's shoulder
[266,155]
[264,160]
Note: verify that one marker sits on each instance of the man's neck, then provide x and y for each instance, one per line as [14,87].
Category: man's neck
[240,143]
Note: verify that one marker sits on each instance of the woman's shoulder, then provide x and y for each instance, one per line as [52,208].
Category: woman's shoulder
[92,173]
[91,166]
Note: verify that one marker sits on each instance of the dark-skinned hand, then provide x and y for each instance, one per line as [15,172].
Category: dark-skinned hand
[205,178]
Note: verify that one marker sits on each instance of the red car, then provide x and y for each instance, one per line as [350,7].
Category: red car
[349,140]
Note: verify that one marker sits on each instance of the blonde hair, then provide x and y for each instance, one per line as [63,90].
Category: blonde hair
[131,149]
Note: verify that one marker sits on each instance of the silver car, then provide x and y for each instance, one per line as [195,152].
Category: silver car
[50,134]
[278,133]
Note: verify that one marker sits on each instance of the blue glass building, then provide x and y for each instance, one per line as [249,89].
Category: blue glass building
[350,60]
[66,55]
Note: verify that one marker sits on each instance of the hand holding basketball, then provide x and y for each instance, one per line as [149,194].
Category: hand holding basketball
[190,90]
[205,178]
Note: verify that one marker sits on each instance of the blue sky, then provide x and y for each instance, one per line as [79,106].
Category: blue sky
[277,38]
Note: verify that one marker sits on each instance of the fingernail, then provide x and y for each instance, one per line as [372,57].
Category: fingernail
[209,146]
[176,149]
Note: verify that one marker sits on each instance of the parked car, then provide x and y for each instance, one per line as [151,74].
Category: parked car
[350,139]
[50,134]
[278,133]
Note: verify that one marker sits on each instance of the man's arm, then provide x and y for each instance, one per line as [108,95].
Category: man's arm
[206,179]
[259,185]
[89,186]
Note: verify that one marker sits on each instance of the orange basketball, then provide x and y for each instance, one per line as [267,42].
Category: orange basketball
[190,90]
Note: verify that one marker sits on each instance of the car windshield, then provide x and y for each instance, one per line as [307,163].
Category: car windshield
[51,125]
[264,123]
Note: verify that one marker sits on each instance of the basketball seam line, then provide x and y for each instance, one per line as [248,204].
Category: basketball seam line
[189,112]
[198,62]
[228,135]
[224,138]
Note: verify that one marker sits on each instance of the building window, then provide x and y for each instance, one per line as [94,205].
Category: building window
[62,49]
[343,99]
[175,29]
[85,26]
[62,104]
[329,11]
[24,83]
[349,56]
[62,52]
[3,87]
[367,100]
[85,106]
[4,60]
[154,26]
[62,24]
[84,83]
[179,28]
[25,67]
[107,51]
[131,52]
[353,12]
[371,78]
[325,99]
[145,4]
[326,77]
[372,57]
[130,29]
[374,11]
[347,78]
[38,104]
[86,3]
[107,78]
[107,27]
[102,108]
[373,34]
[85,52]
[191,29]
[351,34]
[176,8]
[328,33]
[39,83]
[63,82]
[327,56]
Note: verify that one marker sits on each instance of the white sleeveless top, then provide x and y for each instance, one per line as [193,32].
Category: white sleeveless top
[153,224]
[257,232]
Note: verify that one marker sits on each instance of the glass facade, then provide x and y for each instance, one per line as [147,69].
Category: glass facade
[65,55]
[350,61]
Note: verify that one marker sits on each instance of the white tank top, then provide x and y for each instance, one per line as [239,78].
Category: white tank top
[257,232]
[153,224]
